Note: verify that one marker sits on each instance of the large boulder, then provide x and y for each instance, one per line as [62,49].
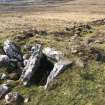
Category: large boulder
[53,54]
[58,68]
[13,98]
[12,50]
[3,90]
[32,65]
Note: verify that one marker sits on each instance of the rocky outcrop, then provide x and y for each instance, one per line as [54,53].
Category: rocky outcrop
[3,76]
[35,59]
[12,51]
[32,65]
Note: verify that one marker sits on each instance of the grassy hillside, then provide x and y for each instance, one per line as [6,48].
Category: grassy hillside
[77,85]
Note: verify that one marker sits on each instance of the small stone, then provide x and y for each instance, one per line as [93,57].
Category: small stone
[3,77]
[3,90]
[26,100]
[13,98]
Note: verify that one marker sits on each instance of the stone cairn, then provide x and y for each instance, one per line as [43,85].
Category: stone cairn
[29,65]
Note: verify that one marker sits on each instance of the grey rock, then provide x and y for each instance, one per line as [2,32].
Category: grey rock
[3,90]
[12,51]
[26,100]
[32,65]
[53,54]
[3,76]
[13,98]
[58,68]
[4,60]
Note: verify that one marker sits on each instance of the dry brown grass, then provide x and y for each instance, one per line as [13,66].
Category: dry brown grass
[43,20]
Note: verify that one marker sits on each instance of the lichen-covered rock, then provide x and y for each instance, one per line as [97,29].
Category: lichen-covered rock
[13,98]
[4,60]
[53,54]
[58,68]
[32,65]
[3,90]
[12,51]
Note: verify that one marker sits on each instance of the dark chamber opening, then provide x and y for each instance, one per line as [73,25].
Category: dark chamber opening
[40,76]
